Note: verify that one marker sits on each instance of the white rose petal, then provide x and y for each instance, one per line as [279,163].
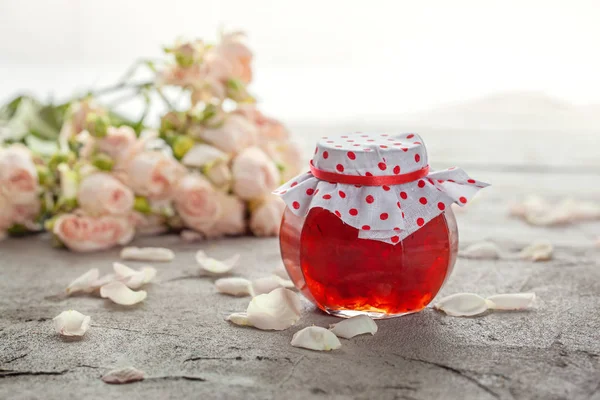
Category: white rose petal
[85,283]
[147,254]
[265,285]
[103,280]
[71,323]
[463,305]
[538,251]
[316,338]
[119,293]
[132,278]
[239,319]
[233,286]
[482,251]
[190,236]
[277,310]
[512,301]
[124,375]
[214,266]
[354,326]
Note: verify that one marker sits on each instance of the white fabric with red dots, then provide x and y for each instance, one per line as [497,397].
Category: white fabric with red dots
[387,213]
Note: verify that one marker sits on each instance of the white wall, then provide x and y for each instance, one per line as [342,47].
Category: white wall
[320,59]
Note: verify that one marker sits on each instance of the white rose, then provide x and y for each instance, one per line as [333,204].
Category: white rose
[213,163]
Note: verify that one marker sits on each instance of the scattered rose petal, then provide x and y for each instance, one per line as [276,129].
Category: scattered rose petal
[190,236]
[119,293]
[103,280]
[240,318]
[265,285]
[85,283]
[147,254]
[537,211]
[233,286]
[71,323]
[482,251]
[215,266]
[132,278]
[277,310]
[538,251]
[316,338]
[462,305]
[124,375]
[511,301]
[354,326]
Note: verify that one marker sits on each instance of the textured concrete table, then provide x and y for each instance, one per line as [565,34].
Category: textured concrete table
[178,336]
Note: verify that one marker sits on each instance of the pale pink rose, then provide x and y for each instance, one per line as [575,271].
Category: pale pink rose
[84,233]
[154,175]
[286,154]
[236,133]
[269,129]
[25,214]
[197,203]
[231,220]
[217,66]
[18,175]
[254,174]
[265,220]
[207,90]
[148,224]
[187,77]
[239,56]
[6,214]
[77,118]
[101,194]
[118,142]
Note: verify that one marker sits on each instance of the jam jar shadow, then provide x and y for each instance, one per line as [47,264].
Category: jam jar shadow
[346,276]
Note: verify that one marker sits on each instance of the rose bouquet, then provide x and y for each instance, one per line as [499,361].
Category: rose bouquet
[96,179]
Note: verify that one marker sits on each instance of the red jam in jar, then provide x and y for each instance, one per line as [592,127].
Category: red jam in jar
[370,229]
[346,276]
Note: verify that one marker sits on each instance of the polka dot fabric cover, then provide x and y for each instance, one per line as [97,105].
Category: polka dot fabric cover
[387,213]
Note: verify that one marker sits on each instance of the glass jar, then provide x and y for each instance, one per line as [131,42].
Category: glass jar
[370,229]
[346,276]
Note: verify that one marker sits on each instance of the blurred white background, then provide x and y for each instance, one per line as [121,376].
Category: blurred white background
[327,60]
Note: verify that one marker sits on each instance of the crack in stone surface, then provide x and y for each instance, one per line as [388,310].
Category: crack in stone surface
[7,373]
[401,387]
[455,371]
[178,377]
[237,358]
[16,358]
[287,378]
[135,331]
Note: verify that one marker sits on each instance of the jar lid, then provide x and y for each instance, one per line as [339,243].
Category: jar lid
[378,183]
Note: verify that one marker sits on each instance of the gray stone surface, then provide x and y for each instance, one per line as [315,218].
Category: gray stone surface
[178,336]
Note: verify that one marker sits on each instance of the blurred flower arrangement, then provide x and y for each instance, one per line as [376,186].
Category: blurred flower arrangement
[95,179]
